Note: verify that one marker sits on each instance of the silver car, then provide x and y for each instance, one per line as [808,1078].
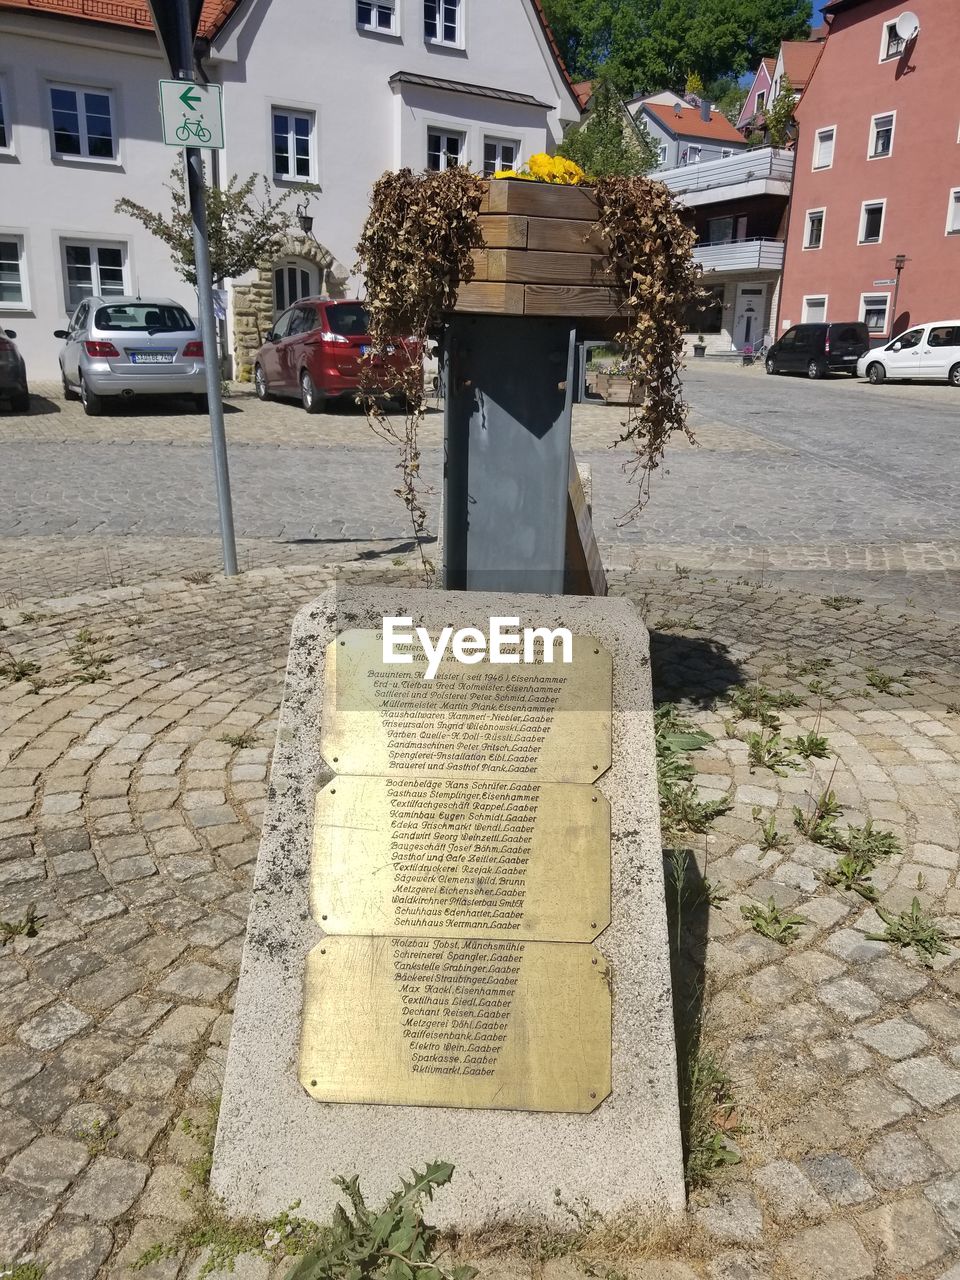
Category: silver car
[131,346]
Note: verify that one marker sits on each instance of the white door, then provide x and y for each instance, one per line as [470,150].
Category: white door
[902,356]
[940,352]
[748,318]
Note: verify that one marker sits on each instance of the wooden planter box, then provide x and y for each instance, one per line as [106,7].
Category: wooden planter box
[615,389]
[541,256]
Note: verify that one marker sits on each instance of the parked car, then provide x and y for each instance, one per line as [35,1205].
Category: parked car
[819,349]
[131,346]
[926,351]
[314,351]
[13,373]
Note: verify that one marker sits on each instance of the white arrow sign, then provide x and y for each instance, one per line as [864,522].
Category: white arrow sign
[192,114]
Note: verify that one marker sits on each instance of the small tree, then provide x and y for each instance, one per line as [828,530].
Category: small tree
[779,118]
[243,226]
[609,143]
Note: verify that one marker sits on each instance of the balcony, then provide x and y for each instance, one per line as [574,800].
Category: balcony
[762,254]
[763,171]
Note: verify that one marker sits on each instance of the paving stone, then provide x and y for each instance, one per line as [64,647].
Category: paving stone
[900,1160]
[135,1016]
[75,1251]
[940,1017]
[195,981]
[157,952]
[736,1219]
[839,1180]
[249,1267]
[945,1194]
[16,1066]
[67,964]
[841,1057]
[927,1079]
[908,1234]
[893,979]
[738,1265]
[163,1197]
[15,1132]
[127,869]
[152,1071]
[853,946]
[139,1126]
[48,1165]
[86,1121]
[789,1193]
[144,1236]
[108,1189]
[832,1251]
[49,1029]
[942,1133]
[22,1215]
[895,1038]
[185,1026]
[849,998]
[107,987]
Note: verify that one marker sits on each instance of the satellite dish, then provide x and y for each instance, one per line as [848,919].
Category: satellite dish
[908,25]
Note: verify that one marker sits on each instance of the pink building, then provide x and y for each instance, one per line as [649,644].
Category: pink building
[759,95]
[877,174]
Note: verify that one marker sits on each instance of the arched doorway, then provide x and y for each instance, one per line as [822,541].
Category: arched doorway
[293,279]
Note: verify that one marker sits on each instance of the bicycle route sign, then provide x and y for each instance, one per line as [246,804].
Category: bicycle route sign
[192,114]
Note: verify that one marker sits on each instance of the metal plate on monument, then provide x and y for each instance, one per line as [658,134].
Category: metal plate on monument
[461,857]
[457,1022]
[548,721]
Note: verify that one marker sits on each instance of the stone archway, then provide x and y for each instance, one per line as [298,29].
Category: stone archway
[253,302]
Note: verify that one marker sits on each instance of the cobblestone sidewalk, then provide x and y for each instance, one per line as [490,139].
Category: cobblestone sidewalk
[134,764]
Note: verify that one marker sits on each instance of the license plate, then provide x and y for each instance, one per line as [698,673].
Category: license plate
[850,357]
[151,357]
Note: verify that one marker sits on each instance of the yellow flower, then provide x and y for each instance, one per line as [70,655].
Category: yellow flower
[543,168]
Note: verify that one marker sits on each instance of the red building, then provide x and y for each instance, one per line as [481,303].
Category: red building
[877,170]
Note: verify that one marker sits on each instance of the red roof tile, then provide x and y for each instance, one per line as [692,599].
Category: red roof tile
[584,91]
[123,13]
[690,123]
[799,59]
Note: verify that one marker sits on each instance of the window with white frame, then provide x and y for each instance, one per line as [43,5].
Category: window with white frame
[97,270]
[725,152]
[499,154]
[881,136]
[663,153]
[690,154]
[953,213]
[871,221]
[823,148]
[873,311]
[813,232]
[761,99]
[13,276]
[293,145]
[442,21]
[444,149]
[6,142]
[82,122]
[377,15]
[814,310]
[893,44]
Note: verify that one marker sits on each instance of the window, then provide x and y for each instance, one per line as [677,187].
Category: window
[293,145]
[5,142]
[662,153]
[873,311]
[13,291]
[944,336]
[498,154]
[881,136]
[82,123]
[871,221]
[693,154]
[380,16]
[761,100]
[953,213]
[706,316]
[823,148]
[292,281]
[892,45]
[444,150]
[441,21]
[910,339]
[727,229]
[814,310]
[813,234]
[725,152]
[96,269]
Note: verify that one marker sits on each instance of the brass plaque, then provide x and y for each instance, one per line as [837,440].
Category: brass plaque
[461,857]
[547,721]
[457,1022]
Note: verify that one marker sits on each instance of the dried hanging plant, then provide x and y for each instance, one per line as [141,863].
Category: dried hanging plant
[414,253]
[651,256]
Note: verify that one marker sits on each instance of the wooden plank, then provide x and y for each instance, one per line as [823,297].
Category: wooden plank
[500,231]
[562,235]
[496,298]
[524,267]
[584,574]
[569,300]
[481,263]
[539,199]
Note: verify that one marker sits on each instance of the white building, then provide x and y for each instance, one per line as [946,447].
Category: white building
[329,94]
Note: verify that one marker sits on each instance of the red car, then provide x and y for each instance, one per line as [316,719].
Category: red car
[314,351]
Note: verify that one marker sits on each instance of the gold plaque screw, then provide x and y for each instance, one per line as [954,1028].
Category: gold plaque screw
[593,925]
[323,917]
[592,1095]
[592,961]
[313,1085]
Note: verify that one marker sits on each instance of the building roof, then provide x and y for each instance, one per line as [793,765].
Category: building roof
[460,86]
[583,91]
[799,59]
[690,124]
[769,65]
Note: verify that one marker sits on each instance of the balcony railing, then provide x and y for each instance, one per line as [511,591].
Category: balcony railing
[762,254]
[744,166]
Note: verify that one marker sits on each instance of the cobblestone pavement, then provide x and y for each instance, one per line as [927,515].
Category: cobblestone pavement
[818,479]
[134,769]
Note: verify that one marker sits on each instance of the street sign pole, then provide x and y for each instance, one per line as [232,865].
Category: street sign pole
[176,25]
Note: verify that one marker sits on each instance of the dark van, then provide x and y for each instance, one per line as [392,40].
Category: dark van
[819,349]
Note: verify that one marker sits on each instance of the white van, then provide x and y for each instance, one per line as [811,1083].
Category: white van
[930,351]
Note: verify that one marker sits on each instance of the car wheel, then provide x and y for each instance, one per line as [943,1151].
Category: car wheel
[68,391]
[260,384]
[20,402]
[201,404]
[312,401]
[876,373]
[953,377]
[814,370]
[771,365]
[92,403]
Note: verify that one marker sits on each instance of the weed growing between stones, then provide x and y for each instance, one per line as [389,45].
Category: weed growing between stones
[757,702]
[245,738]
[90,662]
[13,668]
[29,925]
[841,602]
[771,922]
[811,746]
[769,751]
[21,1271]
[769,838]
[914,929]
[818,822]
